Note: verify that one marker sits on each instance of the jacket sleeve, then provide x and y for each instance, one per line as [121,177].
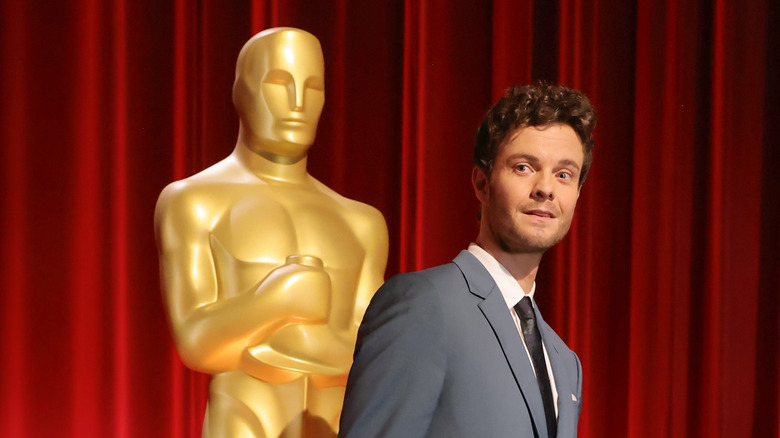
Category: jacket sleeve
[399,362]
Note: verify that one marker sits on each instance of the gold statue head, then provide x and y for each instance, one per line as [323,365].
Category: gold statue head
[279,92]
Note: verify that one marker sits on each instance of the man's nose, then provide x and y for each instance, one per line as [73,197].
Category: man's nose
[543,190]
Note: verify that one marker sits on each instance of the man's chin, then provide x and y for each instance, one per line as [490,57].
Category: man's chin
[524,247]
[529,244]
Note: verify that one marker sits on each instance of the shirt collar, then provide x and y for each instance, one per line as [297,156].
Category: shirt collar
[507,284]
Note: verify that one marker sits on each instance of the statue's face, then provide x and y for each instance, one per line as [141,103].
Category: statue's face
[279,92]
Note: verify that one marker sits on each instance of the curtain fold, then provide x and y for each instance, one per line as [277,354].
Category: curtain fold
[666,287]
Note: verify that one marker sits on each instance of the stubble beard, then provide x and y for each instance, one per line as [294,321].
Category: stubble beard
[513,239]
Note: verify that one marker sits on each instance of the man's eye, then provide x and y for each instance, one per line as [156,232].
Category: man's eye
[521,167]
[564,175]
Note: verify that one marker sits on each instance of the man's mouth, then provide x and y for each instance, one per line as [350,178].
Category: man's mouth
[540,213]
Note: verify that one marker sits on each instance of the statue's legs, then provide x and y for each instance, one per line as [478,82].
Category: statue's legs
[242,406]
[325,404]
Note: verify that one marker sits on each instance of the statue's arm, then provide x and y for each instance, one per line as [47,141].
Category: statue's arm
[211,332]
[372,232]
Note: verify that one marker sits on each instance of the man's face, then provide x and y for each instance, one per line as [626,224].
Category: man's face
[528,201]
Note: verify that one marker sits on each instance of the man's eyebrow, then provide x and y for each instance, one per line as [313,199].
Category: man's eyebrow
[523,156]
[571,163]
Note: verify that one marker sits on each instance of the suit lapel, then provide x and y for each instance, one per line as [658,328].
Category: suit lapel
[567,408]
[494,308]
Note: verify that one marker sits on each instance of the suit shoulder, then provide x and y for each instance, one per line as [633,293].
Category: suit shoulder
[426,282]
[413,297]
[447,276]
[410,286]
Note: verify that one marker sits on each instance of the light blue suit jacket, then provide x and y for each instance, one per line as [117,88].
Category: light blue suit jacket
[439,355]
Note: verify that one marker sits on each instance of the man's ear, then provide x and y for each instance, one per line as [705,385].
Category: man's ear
[481,184]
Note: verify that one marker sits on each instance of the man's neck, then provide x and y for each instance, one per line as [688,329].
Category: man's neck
[522,266]
[270,166]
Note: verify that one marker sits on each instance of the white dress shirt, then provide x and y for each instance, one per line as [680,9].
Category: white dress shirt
[513,293]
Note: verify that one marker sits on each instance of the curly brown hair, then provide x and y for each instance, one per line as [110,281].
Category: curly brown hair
[539,104]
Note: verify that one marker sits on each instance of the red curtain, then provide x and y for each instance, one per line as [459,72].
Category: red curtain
[667,286]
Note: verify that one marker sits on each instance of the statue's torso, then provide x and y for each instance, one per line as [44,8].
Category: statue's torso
[250,226]
[257,226]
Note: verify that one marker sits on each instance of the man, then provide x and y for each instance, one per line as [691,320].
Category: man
[265,270]
[460,350]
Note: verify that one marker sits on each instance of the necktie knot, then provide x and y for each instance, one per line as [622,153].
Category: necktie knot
[524,309]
